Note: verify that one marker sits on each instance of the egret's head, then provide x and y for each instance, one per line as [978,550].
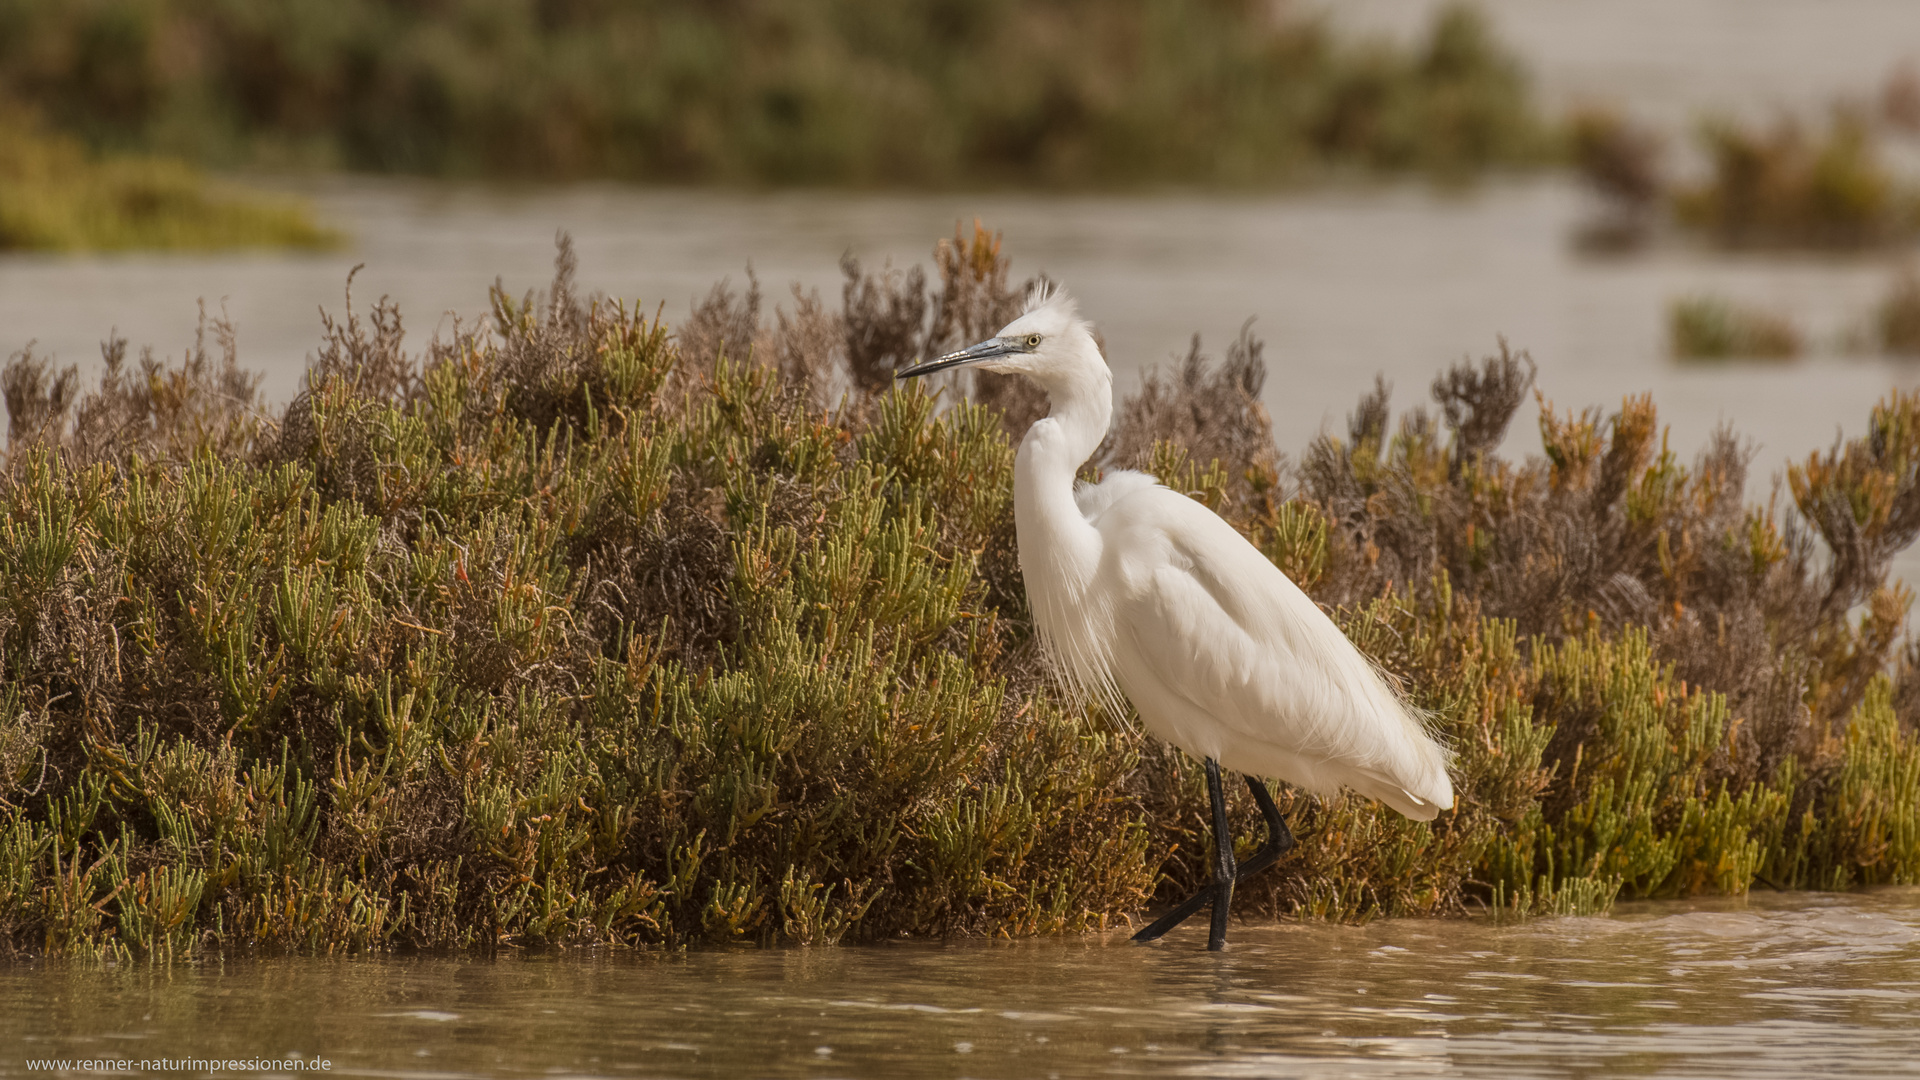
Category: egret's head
[1048,342]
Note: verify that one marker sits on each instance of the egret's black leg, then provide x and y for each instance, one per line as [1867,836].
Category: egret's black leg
[1223,867]
[1279,837]
[1279,841]
[1178,915]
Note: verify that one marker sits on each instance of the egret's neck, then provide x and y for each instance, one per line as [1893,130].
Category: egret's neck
[1058,548]
[1082,403]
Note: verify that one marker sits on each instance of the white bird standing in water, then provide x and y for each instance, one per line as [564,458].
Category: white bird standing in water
[1139,589]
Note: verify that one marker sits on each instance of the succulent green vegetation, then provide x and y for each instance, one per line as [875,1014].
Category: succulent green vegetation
[1715,328]
[55,196]
[578,629]
[1786,186]
[1082,93]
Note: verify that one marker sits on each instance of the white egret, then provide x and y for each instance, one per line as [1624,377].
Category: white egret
[1138,589]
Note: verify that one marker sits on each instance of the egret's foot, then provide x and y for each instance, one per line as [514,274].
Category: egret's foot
[1219,892]
[1158,928]
[1222,904]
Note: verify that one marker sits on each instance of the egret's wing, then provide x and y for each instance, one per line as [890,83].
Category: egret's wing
[1094,500]
[1212,621]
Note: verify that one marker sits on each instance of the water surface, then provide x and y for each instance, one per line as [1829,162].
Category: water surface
[1787,986]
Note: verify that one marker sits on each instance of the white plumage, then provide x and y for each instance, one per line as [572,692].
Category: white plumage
[1138,589]
[1226,658]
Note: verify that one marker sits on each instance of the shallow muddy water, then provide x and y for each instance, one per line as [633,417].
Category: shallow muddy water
[1788,986]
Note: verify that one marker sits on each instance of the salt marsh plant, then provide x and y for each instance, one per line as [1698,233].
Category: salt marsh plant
[1788,185]
[1622,163]
[1715,328]
[1898,321]
[560,633]
[57,196]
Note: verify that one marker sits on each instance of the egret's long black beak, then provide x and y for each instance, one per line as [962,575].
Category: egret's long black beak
[973,354]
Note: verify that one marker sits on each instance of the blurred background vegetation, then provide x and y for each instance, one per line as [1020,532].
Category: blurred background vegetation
[1079,93]
[1788,185]
[54,195]
[866,94]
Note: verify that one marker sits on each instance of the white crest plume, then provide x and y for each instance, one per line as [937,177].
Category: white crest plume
[1044,293]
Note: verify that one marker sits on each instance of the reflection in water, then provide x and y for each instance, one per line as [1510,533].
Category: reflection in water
[1780,986]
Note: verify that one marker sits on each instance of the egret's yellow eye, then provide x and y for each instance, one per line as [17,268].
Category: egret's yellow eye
[1033,341]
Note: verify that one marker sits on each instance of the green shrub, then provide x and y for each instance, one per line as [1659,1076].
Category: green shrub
[54,196]
[1714,328]
[1788,188]
[566,632]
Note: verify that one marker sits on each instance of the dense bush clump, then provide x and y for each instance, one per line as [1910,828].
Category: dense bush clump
[575,630]
[54,195]
[1786,187]
[1102,93]
[1790,185]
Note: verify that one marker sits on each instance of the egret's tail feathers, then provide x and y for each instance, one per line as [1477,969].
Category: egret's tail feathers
[1424,807]
[1409,804]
